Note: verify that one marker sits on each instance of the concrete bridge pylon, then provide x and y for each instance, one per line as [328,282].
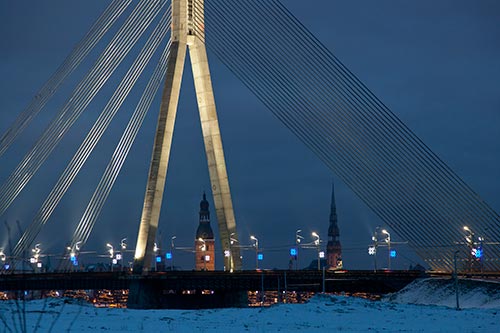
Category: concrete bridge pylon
[187,34]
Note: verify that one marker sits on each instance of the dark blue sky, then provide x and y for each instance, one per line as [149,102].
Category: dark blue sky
[436,64]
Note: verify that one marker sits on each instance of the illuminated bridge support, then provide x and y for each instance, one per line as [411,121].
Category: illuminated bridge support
[187,31]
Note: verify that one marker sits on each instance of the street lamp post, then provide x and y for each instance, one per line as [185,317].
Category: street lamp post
[172,252]
[203,248]
[479,252]
[232,241]
[455,276]
[317,242]
[111,252]
[298,239]
[256,245]
[155,251]
[123,246]
[375,247]
[3,259]
[73,254]
[469,240]
[36,256]
[388,241]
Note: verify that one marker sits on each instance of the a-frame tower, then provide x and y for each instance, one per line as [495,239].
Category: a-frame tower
[187,34]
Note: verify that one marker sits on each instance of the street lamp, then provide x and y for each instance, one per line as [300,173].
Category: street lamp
[298,239]
[232,241]
[256,245]
[155,250]
[469,240]
[479,252]
[36,256]
[73,253]
[36,251]
[317,242]
[111,252]
[172,252]
[373,250]
[475,248]
[203,247]
[123,247]
[388,240]
[123,244]
[3,259]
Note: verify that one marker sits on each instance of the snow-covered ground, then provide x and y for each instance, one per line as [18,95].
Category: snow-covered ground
[472,293]
[324,313]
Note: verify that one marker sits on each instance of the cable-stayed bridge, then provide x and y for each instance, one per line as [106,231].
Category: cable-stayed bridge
[298,79]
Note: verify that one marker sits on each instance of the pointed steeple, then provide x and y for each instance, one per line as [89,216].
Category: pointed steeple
[333,229]
[204,242]
[204,211]
[204,228]
[333,248]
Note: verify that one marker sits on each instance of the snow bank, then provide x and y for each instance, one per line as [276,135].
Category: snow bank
[323,313]
[432,291]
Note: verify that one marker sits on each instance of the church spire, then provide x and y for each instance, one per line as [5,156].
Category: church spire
[204,242]
[333,248]
[204,211]
[333,229]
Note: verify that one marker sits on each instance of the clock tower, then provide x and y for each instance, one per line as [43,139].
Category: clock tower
[204,244]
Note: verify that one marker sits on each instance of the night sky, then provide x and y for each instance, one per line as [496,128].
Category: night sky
[435,64]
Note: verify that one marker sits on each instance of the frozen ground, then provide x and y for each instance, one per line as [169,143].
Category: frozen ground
[473,294]
[322,314]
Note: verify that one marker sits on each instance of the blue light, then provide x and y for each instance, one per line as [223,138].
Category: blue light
[260,256]
[393,254]
[479,253]
[75,262]
[6,266]
[73,258]
[293,251]
[168,255]
[158,259]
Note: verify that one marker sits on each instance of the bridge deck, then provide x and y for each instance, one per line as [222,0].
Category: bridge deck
[341,281]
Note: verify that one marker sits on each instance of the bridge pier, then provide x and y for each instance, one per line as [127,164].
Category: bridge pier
[152,294]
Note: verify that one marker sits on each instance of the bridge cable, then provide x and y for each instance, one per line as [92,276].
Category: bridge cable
[32,161]
[116,162]
[94,135]
[261,69]
[72,61]
[109,60]
[440,190]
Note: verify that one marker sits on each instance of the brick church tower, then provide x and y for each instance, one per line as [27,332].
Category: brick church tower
[333,248]
[204,243]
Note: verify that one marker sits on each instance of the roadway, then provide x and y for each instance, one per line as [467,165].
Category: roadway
[380,282]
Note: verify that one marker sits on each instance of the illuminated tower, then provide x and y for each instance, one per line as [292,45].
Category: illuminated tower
[204,243]
[188,33]
[333,248]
